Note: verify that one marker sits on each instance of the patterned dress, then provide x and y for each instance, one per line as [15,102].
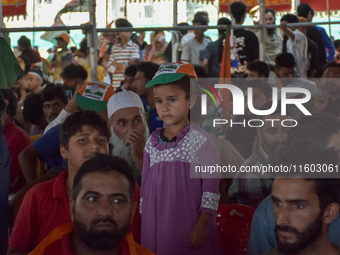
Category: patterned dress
[173,195]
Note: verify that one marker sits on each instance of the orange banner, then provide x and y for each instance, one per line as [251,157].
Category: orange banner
[13,8]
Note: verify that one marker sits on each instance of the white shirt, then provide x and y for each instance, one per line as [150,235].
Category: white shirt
[298,47]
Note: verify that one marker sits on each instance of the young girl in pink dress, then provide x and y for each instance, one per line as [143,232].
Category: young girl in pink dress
[178,205]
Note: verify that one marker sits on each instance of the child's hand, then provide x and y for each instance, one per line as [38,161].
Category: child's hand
[197,236]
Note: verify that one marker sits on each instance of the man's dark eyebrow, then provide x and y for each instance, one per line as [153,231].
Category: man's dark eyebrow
[90,192]
[297,201]
[119,195]
[121,119]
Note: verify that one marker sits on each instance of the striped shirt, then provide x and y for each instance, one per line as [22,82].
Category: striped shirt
[122,56]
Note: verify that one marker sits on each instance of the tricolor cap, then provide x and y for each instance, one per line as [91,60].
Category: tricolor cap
[36,73]
[172,72]
[94,96]
[123,100]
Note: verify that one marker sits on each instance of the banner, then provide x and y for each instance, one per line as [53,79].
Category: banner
[12,8]
[74,6]
[277,5]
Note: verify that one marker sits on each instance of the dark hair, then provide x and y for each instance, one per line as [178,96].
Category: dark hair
[319,71]
[200,20]
[223,21]
[73,71]
[201,14]
[272,11]
[260,67]
[33,109]
[336,43]
[52,92]
[100,61]
[183,24]
[103,163]
[122,23]
[330,64]
[149,69]
[200,72]
[75,122]
[131,71]
[238,9]
[262,84]
[27,63]
[304,9]
[285,60]
[24,42]
[11,108]
[290,18]
[318,127]
[307,152]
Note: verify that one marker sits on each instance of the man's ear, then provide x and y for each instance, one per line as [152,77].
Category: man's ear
[192,101]
[72,204]
[330,213]
[63,152]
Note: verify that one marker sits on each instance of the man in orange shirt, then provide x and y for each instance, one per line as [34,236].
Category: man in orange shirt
[102,210]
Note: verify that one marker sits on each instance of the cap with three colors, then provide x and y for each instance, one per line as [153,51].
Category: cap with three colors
[64,37]
[94,96]
[123,100]
[172,72]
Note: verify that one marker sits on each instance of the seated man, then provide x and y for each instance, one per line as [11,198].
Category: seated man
[102,209]
[54,100]
[257,69]
[250,188]
[304,208]
[130,131]
[72,76]
[17,140]
[46,205]
[323,129]
[46,148]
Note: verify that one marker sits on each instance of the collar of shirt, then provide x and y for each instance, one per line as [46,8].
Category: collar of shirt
[59,186]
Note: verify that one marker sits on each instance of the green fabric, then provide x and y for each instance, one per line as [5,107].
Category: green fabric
[165,78]
[72,7]
[9,65]
[90,104]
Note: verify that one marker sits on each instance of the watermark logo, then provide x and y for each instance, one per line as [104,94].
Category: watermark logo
[205,88]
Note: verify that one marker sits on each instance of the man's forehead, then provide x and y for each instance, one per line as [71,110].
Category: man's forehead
[128,112]
[293,188]
[52,100]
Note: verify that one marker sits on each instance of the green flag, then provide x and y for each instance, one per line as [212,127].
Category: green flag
[9,65]
[74,6]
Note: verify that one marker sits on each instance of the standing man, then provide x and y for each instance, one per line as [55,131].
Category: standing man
[246,44]
[192,51]
[61,58]
[122,54]
[210,54]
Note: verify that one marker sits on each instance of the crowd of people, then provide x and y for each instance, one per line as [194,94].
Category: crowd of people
[105,167]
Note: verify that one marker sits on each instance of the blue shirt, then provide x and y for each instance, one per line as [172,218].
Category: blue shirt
[262,234]
[327,44]
[49,147]
[153,120]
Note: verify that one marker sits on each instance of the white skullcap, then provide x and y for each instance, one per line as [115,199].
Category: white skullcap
[123,100]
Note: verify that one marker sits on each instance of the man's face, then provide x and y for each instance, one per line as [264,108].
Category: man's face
[256,17]
[273,136]
[103,210]
[128,81]
[82,146]
[125,36]
[332,75]
[61,43]
[259,100]
[285,74]
[198,33]
[253,75]
[299,220]
[138,86]
[334,142]
[269,18]
[127,119]
[53,108]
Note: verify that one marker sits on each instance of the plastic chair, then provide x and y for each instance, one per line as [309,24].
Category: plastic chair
[233,225]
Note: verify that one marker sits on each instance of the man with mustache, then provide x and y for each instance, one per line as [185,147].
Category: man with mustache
[251,188]
[102,210]
[129,130]
[304,208]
